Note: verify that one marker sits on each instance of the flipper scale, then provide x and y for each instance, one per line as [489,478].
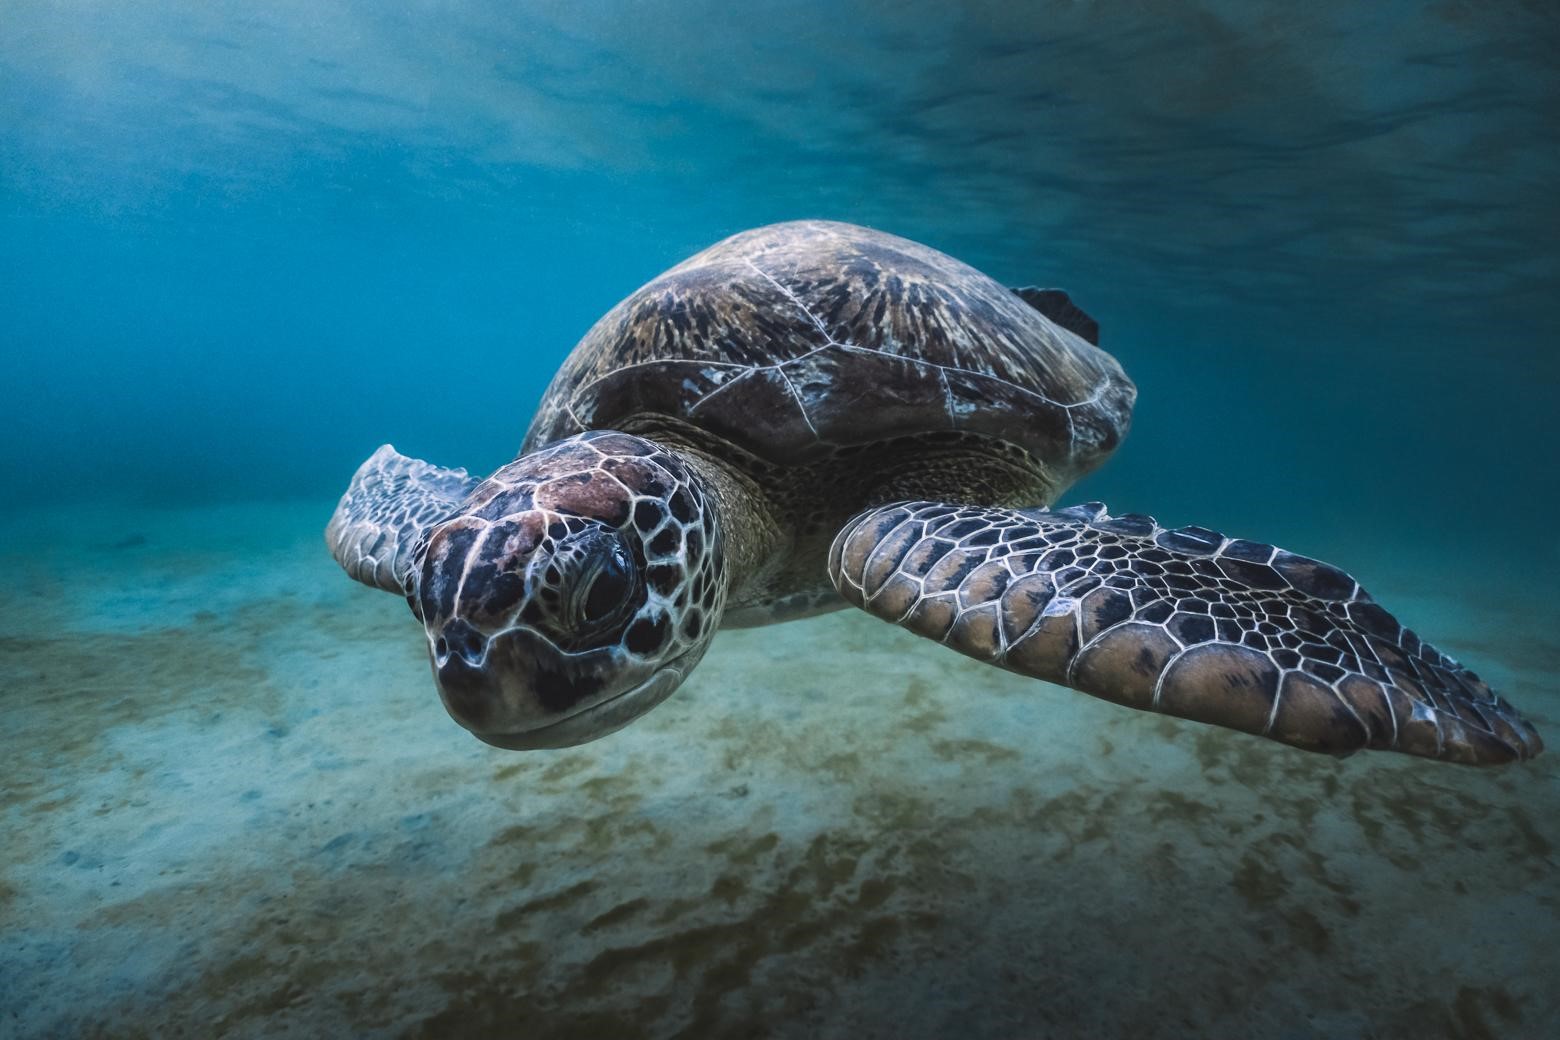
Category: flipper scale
[1183,621]
[390,502]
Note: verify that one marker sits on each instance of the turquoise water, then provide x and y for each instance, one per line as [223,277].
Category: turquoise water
[242,245]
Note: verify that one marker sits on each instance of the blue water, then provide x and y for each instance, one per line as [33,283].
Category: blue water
[242,248]
[242,245]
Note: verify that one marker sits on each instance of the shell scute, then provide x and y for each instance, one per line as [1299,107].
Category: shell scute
[797,340]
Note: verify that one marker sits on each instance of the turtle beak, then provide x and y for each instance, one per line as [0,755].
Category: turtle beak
[511,681]
[469,693]
[516,691]
[459,653]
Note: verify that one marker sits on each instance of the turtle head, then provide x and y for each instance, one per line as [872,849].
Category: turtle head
[573,592]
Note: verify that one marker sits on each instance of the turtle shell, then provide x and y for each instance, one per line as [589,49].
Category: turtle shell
[796,340]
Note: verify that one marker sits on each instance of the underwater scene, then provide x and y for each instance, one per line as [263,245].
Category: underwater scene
[758,658]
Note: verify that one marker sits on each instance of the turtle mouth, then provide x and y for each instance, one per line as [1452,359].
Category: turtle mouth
[596,720]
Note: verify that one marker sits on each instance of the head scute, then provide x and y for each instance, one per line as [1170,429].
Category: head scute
[573,577]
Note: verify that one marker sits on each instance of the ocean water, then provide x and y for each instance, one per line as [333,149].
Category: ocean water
[242,245]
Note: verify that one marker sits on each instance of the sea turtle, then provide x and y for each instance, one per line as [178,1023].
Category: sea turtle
[813,415]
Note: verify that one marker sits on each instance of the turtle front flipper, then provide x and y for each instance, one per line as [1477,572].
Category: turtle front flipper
[391,501]
[1186,622]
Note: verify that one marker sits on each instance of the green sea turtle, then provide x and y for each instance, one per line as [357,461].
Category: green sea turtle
[813,415]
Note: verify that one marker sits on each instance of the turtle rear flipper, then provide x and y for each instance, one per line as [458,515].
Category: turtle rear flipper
[1059,307]
[391,501]
[1186,622]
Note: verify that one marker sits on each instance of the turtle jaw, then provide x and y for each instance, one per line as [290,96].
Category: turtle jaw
[595,721]
[519,692]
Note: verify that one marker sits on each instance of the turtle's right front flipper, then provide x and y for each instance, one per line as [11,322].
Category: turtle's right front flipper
[1185,622]
[391,501]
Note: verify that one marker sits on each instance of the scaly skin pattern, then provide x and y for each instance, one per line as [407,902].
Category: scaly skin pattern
[1184,621]
[388,507]
[567,578]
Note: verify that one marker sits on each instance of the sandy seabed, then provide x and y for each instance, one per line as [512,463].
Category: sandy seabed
[232,805]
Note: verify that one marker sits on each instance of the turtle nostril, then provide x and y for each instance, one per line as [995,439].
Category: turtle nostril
[460,638]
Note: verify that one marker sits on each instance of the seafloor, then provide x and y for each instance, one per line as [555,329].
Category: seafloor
[232,805]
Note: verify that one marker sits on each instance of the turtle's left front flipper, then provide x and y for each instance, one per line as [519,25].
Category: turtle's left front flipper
[1185,622]
[391,501]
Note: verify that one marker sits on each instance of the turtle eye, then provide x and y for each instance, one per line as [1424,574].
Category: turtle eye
[606,587]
